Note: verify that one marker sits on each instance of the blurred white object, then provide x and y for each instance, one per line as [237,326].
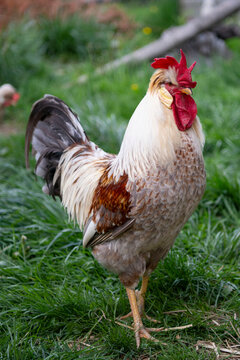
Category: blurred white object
[194,8]
[8,95]
[207,6]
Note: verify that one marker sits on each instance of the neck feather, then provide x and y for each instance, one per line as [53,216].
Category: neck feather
[150,140]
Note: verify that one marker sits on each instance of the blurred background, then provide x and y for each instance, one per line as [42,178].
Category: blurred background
[55,47]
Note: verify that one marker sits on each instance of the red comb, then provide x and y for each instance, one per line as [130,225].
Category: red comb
[184,77]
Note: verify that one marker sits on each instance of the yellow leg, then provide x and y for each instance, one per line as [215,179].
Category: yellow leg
[141,299]
[141,295]
[144,286]
[139,329]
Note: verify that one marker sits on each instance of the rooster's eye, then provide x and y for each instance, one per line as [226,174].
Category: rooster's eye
[169,83]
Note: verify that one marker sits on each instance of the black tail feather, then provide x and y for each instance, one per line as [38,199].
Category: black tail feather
[52,127]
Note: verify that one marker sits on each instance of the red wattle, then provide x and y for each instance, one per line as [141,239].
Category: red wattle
[184,110]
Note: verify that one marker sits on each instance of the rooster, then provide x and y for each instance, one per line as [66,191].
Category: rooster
[131,206]
[8,96]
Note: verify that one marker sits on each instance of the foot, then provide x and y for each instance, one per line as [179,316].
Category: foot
[142,332]
[136,301]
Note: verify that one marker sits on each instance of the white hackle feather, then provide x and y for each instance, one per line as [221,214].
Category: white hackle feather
[79,178]
[150,139]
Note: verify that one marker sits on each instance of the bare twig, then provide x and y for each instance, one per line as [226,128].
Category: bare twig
[173,312]
[236,330]
[170,329]
[79,343]
[215,350]
[233,338]
[84,343]
[209,345]
[179,327]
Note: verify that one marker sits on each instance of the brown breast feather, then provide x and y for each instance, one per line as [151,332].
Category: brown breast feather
[111,202]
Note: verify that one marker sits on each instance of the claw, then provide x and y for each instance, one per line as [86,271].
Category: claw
[143,333]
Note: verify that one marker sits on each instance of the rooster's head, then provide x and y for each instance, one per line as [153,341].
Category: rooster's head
[173,83]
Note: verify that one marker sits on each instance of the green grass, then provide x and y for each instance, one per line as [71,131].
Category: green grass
[54,297]
[158,15]
[75,37]
[21,56]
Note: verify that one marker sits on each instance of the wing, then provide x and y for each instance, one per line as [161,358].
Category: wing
[92,237]
[109,211]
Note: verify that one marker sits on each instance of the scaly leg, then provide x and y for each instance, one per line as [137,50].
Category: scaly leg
[141,299]
[139,329]
[140,296]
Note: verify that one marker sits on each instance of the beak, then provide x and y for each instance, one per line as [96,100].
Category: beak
[186,91]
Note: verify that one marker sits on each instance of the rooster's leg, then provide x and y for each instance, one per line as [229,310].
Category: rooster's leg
[140,296]
[139,329]
[141,299]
